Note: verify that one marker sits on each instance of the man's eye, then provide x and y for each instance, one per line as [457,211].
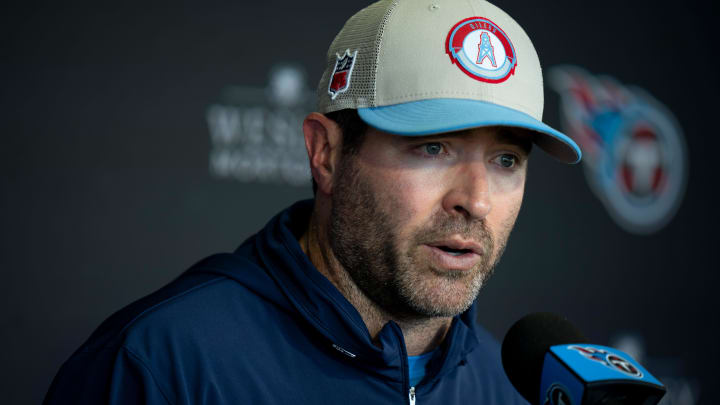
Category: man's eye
[507,161]
[433,148]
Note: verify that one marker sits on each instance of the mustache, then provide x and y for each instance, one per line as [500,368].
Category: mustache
[445,226]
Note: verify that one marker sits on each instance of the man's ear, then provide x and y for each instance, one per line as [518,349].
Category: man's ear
[323,140]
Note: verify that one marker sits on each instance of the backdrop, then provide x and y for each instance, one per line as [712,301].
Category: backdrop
[117,175]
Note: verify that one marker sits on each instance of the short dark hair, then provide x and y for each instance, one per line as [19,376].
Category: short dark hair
[353,133]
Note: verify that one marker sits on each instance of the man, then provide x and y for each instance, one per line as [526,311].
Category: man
[365,294]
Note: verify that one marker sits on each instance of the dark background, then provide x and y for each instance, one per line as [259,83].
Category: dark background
[106,193]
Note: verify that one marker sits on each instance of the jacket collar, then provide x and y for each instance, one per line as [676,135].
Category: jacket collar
[318,301]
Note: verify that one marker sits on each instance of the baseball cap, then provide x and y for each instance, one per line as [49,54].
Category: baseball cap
[422,67]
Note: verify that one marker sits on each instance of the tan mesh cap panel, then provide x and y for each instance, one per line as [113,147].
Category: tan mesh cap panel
[361,33]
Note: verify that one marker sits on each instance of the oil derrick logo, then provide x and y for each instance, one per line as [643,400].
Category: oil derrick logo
[486,50]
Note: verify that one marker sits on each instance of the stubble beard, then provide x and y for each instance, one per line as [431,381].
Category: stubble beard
[363,234]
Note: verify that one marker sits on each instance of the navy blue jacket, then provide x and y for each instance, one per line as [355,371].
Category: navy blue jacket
[263,326]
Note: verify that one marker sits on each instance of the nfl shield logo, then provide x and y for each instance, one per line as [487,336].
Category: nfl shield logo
[340,80]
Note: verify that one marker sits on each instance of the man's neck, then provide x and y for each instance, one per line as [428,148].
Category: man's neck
[421,334]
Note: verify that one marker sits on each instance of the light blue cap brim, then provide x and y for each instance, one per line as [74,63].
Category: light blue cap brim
[434,116]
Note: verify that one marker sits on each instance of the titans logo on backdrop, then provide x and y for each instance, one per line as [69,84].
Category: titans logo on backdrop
[481,49]
[634,150]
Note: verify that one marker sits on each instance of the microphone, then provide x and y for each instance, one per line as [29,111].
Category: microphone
[551,363]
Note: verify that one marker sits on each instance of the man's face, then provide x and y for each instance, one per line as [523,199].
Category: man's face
[419,222]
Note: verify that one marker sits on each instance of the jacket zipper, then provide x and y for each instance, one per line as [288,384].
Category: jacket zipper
[406,374]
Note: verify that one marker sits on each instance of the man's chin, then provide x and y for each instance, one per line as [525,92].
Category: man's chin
[447,296]
[451,274]
[441,311]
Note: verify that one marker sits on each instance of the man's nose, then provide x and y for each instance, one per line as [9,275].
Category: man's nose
[469,192]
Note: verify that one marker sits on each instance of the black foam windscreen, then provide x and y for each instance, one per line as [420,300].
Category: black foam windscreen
[524,347]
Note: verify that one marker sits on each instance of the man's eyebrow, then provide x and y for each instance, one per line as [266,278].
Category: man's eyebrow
[504,135]
[433,137]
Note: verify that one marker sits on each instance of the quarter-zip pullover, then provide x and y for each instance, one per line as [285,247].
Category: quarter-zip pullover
[263,326]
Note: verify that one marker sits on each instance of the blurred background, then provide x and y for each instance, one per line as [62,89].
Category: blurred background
[139,137]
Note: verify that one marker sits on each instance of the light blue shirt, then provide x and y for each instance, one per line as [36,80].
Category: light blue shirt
[417,366]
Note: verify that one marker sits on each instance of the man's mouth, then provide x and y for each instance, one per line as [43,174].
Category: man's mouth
[454,252]
[458,247]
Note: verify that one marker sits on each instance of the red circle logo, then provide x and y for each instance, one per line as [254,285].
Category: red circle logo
[481,49]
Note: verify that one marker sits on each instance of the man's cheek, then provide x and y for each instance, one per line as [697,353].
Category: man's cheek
[511,210]
[410,196]
[506,184]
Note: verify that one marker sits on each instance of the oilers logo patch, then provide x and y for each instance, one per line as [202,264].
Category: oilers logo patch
[481,49]
[633,148]
[340,78]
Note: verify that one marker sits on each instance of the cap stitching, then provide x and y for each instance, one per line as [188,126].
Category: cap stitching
[378,45]
[521,106]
